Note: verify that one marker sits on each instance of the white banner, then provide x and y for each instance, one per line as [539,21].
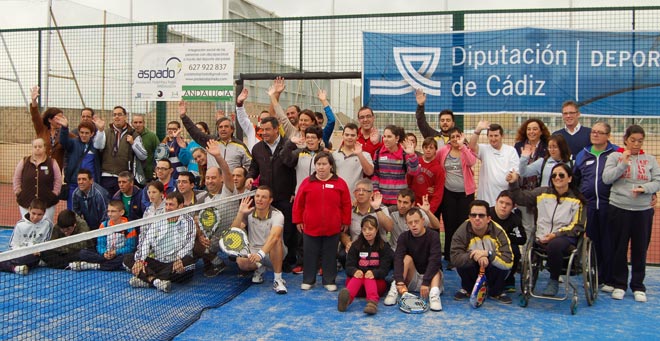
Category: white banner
[193,72]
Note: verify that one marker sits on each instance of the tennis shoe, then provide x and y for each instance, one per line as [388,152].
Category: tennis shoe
[138,283]
[298,270]
[214,270]
[502,298]
[343,300]
[258,275]
[21,270]
[279,285]
[163,285]
[618,294]
[434,303]
[331,287]
[640,296]
[305,286]
[551,288]
[461,295]
[607,288]
[392,295]
[80,266]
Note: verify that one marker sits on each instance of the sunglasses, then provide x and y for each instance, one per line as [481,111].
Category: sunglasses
[480,215]
[560,175]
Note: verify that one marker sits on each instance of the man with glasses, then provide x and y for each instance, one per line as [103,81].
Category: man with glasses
[116,145]
[481,243]
[86,115]
[365,204]
[368,135]
[575,134]
[164,172]
[446,118]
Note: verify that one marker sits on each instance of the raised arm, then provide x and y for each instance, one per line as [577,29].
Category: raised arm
[243,120]
[422,124]
[213,148]
[273,93]
[474,139]
[196,134]
[330,125]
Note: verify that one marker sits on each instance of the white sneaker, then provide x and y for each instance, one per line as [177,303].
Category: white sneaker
[163,285]
[640,296]
[21,270]
[137,283]
[305,286]
[618,294]
[80,266]
[607,288]
[434,303]
[258,275]
[330,287]
[392,295]
[279,285]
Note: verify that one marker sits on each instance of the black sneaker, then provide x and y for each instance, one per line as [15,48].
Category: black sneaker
[214,270]
[502,298]
[461,295]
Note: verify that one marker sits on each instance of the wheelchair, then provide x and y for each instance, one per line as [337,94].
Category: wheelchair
[581,260]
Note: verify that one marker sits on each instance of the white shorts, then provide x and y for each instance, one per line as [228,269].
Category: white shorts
[416,282]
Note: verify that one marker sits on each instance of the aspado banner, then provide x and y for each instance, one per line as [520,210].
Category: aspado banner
[516,70]
[193,72]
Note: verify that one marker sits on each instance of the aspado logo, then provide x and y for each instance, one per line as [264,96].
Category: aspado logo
[172,68]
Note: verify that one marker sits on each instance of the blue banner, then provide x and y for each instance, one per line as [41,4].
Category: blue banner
[516,70]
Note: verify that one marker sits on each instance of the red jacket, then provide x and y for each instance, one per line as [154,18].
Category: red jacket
[431,174]
[323,206]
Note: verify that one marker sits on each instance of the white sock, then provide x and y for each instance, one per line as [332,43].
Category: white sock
[156,281]
[278,275]
[435,291]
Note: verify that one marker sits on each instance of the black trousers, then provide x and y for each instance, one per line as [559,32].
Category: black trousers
[454,209]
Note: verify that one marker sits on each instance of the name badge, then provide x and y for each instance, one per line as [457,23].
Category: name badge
[383,158]
[329,186]
[43,168]
[364,254]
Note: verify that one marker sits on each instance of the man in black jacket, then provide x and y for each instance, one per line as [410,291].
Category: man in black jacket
[267,164]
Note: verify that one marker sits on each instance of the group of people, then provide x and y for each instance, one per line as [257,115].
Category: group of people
[372,204]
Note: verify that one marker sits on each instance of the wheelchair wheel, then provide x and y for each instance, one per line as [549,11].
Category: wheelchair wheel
[589,271]
[528,277]
[574,307]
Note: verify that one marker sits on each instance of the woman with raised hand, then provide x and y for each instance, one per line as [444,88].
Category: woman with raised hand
[635,177]
[457,160]
[558,152]
[321,210]
[47,128]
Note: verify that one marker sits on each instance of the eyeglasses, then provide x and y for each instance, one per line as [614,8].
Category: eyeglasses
[566,113]
[479,215]
[360,190]
[598,133]
[560,175]
[161,168]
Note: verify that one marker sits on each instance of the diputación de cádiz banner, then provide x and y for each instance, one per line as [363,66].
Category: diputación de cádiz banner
[514,70]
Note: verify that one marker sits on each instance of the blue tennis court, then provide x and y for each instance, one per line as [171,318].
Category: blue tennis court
[253,312]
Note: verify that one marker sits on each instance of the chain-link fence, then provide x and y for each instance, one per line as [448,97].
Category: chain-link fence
[91,66]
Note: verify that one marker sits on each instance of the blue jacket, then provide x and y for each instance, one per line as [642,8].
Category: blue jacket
[91,206]
[74,151]
[588,170]
[329,126]
[137,208]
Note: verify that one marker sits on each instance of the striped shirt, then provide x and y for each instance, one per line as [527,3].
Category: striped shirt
[390,170]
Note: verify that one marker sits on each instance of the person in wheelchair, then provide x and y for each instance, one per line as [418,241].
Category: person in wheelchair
[560,218]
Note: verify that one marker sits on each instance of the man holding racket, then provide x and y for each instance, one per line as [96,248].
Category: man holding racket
[480,242]
[417,262]
[265,228]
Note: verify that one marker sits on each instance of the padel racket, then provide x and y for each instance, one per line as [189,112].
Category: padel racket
[234,242]
[412,304]
[209,221]
[479,290]
[162,152]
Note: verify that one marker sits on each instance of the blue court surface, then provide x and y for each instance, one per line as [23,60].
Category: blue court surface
[257,313]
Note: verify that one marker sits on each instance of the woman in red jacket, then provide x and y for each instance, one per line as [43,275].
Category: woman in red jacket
[321,210]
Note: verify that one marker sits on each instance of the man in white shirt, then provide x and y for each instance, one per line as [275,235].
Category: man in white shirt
[497,160]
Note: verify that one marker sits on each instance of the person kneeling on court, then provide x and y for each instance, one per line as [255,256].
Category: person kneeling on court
[265,226]
[367,263]
[481,243]
[110,249]
[417,262]
[165,250]
[32,229]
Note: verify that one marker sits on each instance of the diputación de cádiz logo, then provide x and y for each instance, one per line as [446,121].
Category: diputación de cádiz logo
[405,59]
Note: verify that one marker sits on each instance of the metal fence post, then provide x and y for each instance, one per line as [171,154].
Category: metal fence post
[161,107]
[458,24]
